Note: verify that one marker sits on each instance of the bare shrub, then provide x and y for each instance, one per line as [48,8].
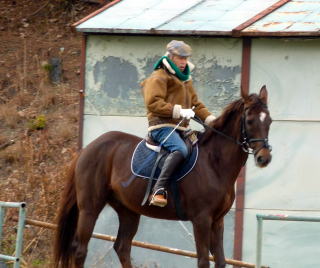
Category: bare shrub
[9,115]
[32,169]
[11,158]
[3,139]
[48,97]
[22,99]
[62,133]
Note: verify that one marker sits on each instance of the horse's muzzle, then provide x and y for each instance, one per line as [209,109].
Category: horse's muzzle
[263,157]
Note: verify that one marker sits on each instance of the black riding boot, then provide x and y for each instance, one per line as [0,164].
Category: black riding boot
[159,194]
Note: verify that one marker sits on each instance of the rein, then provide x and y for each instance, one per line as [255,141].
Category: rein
[245,144]
[196,119]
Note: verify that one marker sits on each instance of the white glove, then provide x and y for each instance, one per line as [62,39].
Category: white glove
[187,113]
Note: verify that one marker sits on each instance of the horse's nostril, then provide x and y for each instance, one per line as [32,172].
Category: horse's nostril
[263,160]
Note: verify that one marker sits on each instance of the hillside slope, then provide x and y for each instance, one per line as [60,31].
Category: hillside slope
[38,119]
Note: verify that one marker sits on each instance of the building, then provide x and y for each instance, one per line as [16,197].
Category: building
[236,43]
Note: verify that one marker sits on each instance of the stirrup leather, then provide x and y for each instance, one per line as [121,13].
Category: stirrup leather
[159,199]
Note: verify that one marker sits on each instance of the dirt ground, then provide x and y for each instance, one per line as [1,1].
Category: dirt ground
[38,118]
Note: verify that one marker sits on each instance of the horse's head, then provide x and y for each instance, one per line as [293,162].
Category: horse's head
[256,121]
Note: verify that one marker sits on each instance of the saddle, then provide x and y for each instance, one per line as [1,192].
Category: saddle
[148,158]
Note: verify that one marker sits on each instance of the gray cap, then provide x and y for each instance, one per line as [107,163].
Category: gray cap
[179,48]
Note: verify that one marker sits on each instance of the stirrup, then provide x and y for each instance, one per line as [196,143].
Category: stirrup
[159,199]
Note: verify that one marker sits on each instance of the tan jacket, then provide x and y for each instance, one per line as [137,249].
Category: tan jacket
[165,95]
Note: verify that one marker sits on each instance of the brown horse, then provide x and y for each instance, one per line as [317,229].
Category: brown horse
[206,193]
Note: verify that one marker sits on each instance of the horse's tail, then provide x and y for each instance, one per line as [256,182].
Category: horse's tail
[66,221]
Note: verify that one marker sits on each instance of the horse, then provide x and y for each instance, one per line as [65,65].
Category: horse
[207,192]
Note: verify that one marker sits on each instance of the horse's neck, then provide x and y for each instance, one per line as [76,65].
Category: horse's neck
[227,156]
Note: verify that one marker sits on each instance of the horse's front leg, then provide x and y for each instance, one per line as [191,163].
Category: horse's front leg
[201,229]
[216,244]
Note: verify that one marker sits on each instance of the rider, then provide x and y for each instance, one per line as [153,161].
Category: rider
[169,96]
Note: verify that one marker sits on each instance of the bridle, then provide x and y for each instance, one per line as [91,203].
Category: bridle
[244,141]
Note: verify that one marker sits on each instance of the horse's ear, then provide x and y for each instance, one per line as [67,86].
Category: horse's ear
[263,95]
[244,93]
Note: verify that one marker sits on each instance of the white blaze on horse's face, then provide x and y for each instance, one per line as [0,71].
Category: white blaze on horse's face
[262,116]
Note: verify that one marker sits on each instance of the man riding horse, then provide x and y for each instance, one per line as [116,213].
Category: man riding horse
[169,97]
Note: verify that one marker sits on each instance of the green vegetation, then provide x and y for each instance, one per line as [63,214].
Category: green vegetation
[38,123]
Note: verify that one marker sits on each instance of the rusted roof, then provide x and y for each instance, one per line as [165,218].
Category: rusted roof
[296,18]
[206,17]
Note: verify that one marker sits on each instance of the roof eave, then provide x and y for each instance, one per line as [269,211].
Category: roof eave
[154,32]
[279,34]
[200,33]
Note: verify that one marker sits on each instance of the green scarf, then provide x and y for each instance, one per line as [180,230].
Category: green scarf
[183,76]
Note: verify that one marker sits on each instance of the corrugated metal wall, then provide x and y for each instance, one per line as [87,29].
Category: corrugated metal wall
[291,183]
[114,67]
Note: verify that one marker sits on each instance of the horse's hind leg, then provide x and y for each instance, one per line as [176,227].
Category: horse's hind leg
[128,226]
[216,244]
[86,222]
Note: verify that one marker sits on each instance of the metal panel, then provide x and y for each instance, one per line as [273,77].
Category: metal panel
[290,70]
[295,16]
[192,16]
[289,185]
[95,125]
[116,64]
[285,244]
[292,177]
[132,14]
[262,217]
[218,15]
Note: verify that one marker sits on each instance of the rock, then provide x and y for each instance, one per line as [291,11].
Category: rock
[21,114]
[53,20]
[56,71]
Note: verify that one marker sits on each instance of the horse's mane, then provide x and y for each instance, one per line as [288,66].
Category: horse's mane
[229,111]
[234,108]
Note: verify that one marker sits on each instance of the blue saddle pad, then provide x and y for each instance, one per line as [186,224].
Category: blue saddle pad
[144,158]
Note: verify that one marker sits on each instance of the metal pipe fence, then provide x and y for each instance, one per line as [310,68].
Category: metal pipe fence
[145,245]
[19,239]
[262,217]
